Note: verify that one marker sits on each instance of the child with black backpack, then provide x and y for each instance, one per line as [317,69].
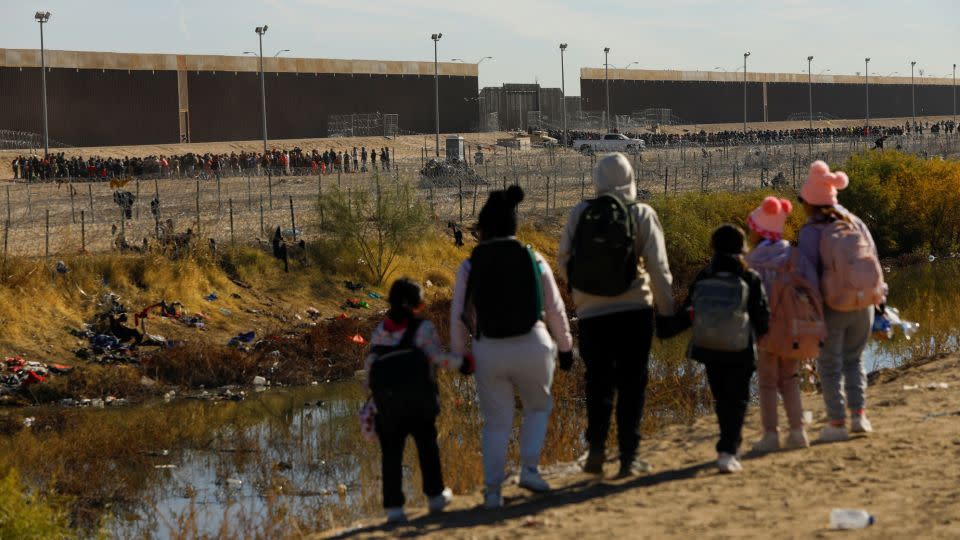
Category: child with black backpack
[404,354]
[728,309]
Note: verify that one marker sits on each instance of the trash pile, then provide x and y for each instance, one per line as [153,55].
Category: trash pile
[886,322]
[449,174]
[17,373]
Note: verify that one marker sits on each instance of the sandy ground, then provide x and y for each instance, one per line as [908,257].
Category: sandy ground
[905,474]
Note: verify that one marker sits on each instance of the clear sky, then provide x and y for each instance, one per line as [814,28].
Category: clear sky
[522,35]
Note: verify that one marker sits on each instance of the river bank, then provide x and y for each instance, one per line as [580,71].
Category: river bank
[904,474]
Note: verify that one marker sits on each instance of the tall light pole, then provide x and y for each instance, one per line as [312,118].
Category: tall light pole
[810,87]
[745,55]
[954,94]
[866,81]
[436,93]
[913,95]
[261,30]
[43,17]
[281,51]
[563,94]
[606,78]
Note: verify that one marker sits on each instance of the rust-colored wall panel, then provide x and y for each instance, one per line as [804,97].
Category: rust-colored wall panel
[92,107]
[226,105]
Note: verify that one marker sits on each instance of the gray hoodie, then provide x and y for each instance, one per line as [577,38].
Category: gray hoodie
[614,176]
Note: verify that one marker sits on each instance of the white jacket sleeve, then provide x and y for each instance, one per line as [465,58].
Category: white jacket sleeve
[655,261]
[556,311]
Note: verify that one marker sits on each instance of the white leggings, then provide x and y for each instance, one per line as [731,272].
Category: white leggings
[524,363]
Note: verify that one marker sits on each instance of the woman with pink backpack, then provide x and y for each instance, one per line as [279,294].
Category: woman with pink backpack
[842,250]
[796,321]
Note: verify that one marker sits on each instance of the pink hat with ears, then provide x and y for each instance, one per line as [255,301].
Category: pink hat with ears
[770,217]
[822,186]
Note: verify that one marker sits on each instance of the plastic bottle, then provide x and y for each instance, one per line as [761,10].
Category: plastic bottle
[848,518]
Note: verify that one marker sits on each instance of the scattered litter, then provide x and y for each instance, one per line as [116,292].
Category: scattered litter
[911,387]
[225,312]
[807,417]
[355,303]
[211,297]
[244,338]
[314,383]
[885,323]
[165,466]
[234,482]
[342,490]
[429,284]
[846,518]
[374,296]
[28,421]
[259,381]
[938,386]
[313,313]
[170,395]
[353,286]
[358,339]
[931,258]
[62,267]
[236,296]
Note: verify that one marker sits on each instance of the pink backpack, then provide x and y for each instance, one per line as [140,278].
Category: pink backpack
[797,329]
[852,278]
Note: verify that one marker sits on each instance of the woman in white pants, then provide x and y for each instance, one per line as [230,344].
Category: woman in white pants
[506,297]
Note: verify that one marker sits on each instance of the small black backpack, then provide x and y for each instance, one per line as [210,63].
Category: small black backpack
[402,380]
[504,287]
[603,261]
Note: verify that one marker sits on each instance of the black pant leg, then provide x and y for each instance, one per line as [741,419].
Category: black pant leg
[632,375]
[428,451]
[595,349]
[730,385]
[392,440]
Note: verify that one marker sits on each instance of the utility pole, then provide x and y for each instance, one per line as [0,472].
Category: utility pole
[261,30]
[913,95]
[810,88]
[606,77]
[745,55]
[954,96]
[44,17]
[436,93]
[563,93]
[866,75]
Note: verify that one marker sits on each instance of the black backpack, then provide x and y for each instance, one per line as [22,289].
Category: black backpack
[505,288]
[402,380]
[603,260]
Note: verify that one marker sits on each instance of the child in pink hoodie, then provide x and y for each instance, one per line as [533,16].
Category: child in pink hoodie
[771,256]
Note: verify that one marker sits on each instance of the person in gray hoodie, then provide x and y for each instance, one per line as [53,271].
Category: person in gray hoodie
[613,255]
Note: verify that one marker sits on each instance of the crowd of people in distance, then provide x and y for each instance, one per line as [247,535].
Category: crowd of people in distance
[296,161]
[761,305]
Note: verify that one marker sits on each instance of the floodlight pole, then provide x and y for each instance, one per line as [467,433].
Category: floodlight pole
[261,30]
[745,55]
[43,17]
[606,78]
[866,79]
[563,93]
[913,95]
[436,94]
[810,88]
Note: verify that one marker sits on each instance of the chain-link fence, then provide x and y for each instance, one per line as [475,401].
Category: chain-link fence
[50,219]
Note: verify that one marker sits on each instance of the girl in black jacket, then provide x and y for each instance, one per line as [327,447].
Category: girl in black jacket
[728,372]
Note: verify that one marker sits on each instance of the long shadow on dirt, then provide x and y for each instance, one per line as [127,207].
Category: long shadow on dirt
[568,495]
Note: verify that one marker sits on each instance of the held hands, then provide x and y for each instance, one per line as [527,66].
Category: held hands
[469,365]
[565,359]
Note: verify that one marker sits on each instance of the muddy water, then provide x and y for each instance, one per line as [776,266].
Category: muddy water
[295,457]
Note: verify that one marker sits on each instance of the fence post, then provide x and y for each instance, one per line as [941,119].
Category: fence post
[198,207]
[123,224]
[583,187]
[8,203]
[90,196]
[473,211]
[232,239]
[73,208]
[261,215]
[249,193]
[460,195]
[83,232]
[6,234]
[666,180]
[270,190]
[293,220]
[546,202]
[219,200]
[46,239]
[137,200]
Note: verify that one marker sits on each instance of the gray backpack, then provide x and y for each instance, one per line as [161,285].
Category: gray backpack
[721,320]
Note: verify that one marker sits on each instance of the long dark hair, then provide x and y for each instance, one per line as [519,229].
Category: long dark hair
[405,297]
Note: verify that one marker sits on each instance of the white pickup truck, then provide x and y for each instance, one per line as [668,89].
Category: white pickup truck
[611,142]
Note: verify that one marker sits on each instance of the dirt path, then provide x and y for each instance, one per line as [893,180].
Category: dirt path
[905,474]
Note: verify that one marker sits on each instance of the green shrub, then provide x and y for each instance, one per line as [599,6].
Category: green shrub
[25,515]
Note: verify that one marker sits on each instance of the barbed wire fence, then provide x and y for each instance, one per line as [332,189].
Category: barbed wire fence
[48,219]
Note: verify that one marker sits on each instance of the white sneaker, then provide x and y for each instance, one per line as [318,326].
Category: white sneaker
[530,479]
[438,502]
[832,433]
[492,499]
[860,424]
[396,515]
[797,439]
[770,442]
[728,463]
